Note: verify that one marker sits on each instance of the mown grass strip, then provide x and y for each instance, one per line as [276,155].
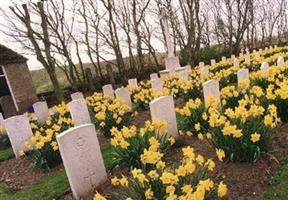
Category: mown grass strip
[49,187]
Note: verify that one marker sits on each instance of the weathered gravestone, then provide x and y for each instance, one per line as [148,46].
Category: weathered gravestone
[280,61]
[163,108]
[153,76]
[124,94]
[79,112]
[8,107]
[264,69]
[108,91]
[157,84]
[19,131]
[41,111]
[233,57]
[82,159]
[133,82]
[223,58]
[77,95]
[243,75]
[211,89]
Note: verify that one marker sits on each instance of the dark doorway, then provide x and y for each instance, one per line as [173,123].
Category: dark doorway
[5,97]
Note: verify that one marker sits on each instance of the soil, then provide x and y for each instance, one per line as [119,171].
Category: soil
[19,173]
[245,180]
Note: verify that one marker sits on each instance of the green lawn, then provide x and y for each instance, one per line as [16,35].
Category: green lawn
[279,188]
[5,154]
[49,187]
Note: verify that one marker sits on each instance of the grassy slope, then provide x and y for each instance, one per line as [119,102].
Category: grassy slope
[279,188]
[52,186]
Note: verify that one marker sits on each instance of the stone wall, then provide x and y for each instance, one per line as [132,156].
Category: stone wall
[20,81]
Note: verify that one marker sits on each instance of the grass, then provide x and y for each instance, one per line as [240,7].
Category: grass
[49,187]
[5,154]
[279,187]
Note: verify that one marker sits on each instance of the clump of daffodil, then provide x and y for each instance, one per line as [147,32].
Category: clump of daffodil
[186,180]
[242,132]
[43,146]
[193,117]
[108,112]
[129,143]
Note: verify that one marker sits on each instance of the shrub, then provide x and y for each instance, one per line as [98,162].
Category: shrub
[130,143]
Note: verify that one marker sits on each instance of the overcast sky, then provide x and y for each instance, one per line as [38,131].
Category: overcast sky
[32,62]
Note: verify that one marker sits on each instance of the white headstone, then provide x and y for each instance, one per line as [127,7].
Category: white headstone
[211,89]
[172,63]
[157,84]
[163,108]
[108,91]
[213,62]
[280,61]
[247,58]
[223,58]
[264,69]
[266,48]
[188,68]
[257,54]
[233,57]
[133,82]
[82,159]
[182,73]
[124,94]
[41,111]
[1,120]
[242,75]
[77,95]
[164,74]
[204,70]
[201,64]
[19,131]
[79,112]
[153,76]
[236,62]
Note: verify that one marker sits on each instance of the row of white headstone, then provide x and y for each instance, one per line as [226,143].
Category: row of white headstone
[79,146]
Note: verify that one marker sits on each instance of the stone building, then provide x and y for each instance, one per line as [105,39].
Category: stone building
[16,86]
